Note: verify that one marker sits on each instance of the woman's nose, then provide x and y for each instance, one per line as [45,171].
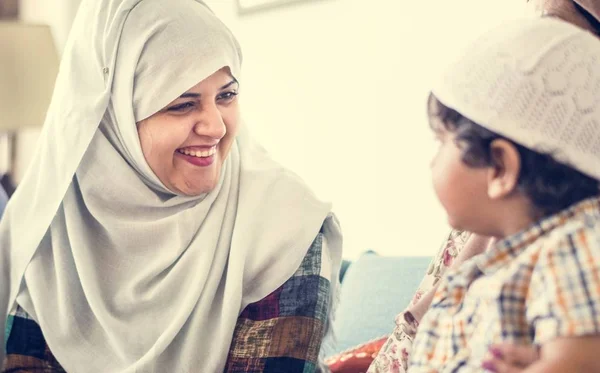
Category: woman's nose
[209,122]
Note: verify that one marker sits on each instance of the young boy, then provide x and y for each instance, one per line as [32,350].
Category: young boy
[518,121]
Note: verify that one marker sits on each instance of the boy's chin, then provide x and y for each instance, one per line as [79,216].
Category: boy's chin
[456,224]
[463,226]
[471,228]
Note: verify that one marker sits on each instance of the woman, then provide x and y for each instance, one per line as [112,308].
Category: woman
[152,234]
[459,246]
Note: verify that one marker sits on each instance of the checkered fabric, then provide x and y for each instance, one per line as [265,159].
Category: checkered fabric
[283,332]
[280,333]
[532,287]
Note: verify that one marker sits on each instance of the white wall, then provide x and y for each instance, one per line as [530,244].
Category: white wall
[336,89]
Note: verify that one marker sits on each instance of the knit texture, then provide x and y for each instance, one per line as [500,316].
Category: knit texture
[536,82]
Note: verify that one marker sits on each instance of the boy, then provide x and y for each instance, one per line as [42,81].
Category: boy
[518,120]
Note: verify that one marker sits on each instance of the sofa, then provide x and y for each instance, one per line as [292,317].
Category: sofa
[374,289]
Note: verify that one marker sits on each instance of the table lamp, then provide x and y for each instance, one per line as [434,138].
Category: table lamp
[28,67]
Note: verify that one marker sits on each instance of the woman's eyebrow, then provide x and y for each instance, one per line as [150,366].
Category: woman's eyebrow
[196,95]
[190,95]
[234,81]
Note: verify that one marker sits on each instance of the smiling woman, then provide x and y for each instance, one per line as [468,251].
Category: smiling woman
[186,143]
[185,254]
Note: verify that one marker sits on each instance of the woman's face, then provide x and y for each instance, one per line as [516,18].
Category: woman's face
[186,143]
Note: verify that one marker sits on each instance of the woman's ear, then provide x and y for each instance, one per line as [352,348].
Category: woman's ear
[503,175]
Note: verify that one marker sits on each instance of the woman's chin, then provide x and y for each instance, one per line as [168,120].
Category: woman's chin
[197,189]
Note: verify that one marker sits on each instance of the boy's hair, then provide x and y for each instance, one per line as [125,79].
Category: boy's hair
[549,185]
[589,17]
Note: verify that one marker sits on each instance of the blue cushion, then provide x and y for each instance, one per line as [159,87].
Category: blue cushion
[375,289]
[3,200]
[344,268]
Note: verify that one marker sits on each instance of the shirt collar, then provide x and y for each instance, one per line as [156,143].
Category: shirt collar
[507,249]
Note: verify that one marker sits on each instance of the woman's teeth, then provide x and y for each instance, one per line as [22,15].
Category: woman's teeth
[198,153]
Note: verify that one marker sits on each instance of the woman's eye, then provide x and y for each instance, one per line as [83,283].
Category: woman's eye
[227,96]
[182,108]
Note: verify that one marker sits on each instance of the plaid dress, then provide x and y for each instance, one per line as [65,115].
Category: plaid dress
[280,333]
[530,288]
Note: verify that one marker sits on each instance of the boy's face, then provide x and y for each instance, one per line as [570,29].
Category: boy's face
[461,189]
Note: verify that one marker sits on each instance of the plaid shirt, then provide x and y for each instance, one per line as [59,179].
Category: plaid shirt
[532,287]
[280,333]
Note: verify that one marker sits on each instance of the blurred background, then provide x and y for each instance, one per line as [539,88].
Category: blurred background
[334,89]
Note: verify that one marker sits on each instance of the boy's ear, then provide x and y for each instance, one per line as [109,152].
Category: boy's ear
[503,175]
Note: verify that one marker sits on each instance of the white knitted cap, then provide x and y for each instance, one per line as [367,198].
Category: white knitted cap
[536,82]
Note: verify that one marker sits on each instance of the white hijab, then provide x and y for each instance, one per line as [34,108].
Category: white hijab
[121,274]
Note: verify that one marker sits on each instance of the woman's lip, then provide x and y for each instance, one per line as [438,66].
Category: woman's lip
[198,161]
[198,147]
[198,152]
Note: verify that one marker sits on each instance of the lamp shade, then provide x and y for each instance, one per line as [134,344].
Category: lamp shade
[28,68]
